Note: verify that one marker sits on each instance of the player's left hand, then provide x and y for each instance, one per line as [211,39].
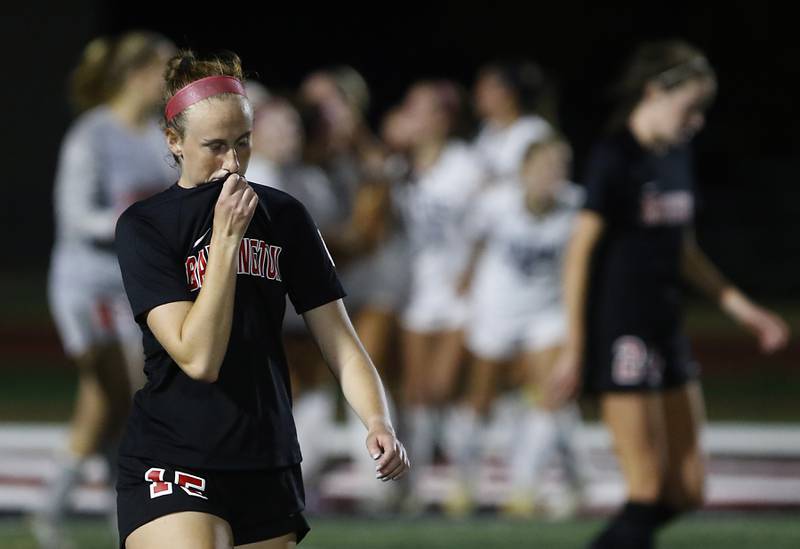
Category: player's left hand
[770,329]
[388,452]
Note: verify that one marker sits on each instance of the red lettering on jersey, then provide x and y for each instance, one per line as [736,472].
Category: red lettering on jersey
[244,257]
[202,262]
[255,260]
[158,487]
[273,268]
[263,254]
[191,275]
[666,208]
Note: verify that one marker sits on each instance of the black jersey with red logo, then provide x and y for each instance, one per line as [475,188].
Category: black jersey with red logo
[243,420]
[646,201]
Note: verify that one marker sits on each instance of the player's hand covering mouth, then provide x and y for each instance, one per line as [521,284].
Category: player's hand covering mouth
[218,176]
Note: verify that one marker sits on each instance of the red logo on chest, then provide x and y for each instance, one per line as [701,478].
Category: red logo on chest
[256,258]
[666,208]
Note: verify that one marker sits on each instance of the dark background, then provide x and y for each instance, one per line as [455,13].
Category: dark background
[745,156]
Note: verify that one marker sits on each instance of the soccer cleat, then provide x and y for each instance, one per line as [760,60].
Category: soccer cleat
[459,502]
[519,505]
[563,505]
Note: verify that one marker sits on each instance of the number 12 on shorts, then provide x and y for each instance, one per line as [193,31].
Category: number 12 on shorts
[191,484]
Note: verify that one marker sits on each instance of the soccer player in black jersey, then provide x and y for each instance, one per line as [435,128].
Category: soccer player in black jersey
[210,455]
[633,244]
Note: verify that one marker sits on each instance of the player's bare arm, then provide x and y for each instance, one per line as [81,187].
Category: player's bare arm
[770,329]
[196,334]
[361,385]
[587,231]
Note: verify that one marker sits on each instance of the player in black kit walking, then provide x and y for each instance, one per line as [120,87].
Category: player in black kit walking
[210,455]
[632,245]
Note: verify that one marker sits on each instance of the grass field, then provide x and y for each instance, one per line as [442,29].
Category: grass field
[699,532]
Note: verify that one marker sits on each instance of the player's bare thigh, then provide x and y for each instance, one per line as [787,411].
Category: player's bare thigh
[482,382]
[416,361]
[289,541]
[103,397]
[684,413]
[430,365]
[638,429]
[447,358]
[533,368]
[183,530]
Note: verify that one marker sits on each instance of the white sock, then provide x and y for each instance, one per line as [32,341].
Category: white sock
[463,441]
[313,413]
[60,487]
[572,453]
[535,444]
[421,426]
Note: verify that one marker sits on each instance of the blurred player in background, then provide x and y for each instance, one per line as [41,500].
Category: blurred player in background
[445,177]
[113,154]
[516,319]
[510,98]
[632,247]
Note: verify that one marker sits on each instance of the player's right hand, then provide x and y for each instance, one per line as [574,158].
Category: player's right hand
[234,209]
[390,455]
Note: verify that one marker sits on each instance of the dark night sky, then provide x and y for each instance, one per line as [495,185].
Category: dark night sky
[746,155]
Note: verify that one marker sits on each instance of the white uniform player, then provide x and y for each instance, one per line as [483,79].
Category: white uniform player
[436,208]
[515,300]
[520,229]
[103,168]
[502,148]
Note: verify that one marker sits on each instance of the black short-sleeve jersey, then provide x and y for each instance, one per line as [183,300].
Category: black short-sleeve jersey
[646,201]
[243,420]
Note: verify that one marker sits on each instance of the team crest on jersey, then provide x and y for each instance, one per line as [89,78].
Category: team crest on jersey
[256,258]
[667,207]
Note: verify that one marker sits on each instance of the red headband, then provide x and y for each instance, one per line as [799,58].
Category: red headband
[200,89]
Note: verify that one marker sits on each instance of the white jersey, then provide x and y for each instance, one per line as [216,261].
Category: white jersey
[502,149]
[519,272]
[435,208]
[103,168]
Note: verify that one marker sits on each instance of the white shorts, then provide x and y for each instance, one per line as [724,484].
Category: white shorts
[435,311]
[379,280]
[84,319]
[497,338]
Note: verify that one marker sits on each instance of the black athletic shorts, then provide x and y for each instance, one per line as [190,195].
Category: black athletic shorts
[258,505]
[635,362]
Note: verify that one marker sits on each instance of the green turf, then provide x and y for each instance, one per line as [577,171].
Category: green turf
[703,532]
[36,393]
